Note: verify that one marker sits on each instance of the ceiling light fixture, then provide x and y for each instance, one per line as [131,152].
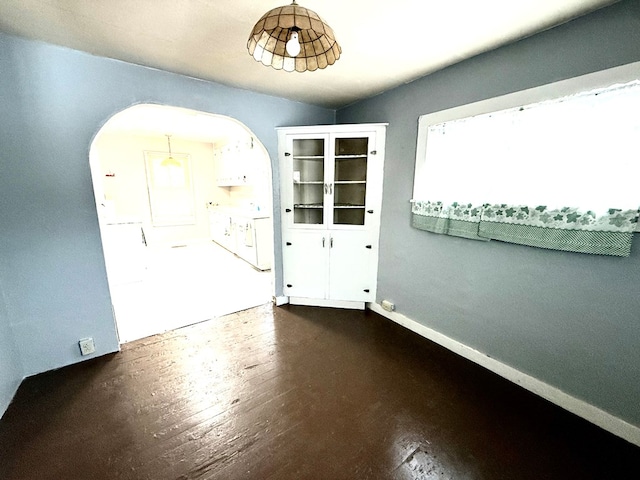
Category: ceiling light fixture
[293,38]
[170,161]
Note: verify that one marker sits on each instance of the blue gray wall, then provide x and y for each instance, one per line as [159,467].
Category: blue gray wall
[571,320]
[54,100]
[10,366]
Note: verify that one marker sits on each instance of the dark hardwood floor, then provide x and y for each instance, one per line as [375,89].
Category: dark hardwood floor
[295,393]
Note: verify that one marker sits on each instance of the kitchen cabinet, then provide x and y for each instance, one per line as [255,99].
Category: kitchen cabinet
[331,191]
[247,235]
[235,165]
[253,240]
[220,227]
[124,251]
[233,176]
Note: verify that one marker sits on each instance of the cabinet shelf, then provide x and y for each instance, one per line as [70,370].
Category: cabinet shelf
[337,182]
[350,157]
[314,205]
[308,157]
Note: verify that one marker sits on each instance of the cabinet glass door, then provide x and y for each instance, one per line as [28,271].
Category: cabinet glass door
[308,181]
[350,180]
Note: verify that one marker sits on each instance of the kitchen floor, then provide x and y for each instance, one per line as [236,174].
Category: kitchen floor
[183,285]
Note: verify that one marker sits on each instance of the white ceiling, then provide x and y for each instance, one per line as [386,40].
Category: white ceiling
[384,44]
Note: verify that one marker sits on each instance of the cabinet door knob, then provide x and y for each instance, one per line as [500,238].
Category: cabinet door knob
[369,211]
[287,154]
[368,246]
[374,152]
[366,290]
[289,285]
[288,244]
[287,210]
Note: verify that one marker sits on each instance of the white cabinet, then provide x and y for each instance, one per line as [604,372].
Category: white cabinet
[253,241]
[331,190]
[124,252]
[221,229]
[337,265]
[237,165]
[247,236]
[232,169]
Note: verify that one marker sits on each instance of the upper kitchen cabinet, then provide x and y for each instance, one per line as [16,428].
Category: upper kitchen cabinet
[331,176]
[236,164]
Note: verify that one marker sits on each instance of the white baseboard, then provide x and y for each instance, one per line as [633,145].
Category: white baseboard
[279,301]
[315,302]
[595,415]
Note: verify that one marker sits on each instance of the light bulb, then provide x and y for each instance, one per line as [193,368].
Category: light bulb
[293,45]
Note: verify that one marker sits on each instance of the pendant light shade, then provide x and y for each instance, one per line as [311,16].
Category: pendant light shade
[293,38]
[170,161]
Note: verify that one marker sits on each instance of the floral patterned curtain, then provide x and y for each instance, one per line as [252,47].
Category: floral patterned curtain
[458,220]
[568,229]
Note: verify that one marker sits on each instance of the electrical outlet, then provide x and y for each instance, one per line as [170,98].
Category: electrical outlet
[388,306]
[87,347]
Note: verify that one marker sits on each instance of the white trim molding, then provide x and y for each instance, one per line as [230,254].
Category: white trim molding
[317,302]
[591,413]
[278,301]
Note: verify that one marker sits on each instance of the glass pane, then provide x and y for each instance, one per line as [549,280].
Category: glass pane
[349,194]
[307,215]
[308,170]
[352,146]
[308,147]
[350,216]
[309,195]
[352,169]
[308,181]
[350,181]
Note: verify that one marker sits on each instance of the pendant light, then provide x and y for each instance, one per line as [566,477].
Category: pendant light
[293,38]
[170,161]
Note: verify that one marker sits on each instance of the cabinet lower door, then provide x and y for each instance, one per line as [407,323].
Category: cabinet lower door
[245,241]
[305,264]
[352,267]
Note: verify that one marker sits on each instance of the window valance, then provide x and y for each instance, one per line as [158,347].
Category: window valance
[568,229]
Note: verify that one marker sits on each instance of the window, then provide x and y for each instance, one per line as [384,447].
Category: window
[553,167]
[170,185]
[547,146]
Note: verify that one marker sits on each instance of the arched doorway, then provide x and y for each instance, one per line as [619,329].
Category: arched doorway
[167,180]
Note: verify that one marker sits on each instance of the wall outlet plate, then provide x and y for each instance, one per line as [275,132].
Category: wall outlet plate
[87,347]
[388,306]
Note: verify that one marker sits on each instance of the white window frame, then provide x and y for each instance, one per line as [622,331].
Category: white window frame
[593,81]
[184,190]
